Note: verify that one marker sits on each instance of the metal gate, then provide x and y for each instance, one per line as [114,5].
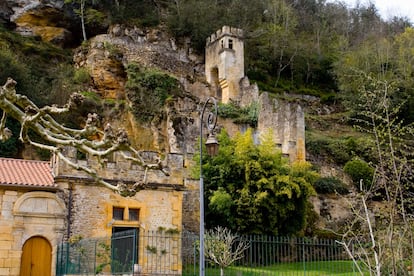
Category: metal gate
[124,246]
[116,255]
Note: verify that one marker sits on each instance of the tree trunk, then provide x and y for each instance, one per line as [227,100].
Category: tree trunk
[82,12]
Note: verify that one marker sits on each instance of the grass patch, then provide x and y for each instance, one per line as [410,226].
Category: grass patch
[286,269]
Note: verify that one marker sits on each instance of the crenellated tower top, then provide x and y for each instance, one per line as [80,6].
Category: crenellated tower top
[224,31]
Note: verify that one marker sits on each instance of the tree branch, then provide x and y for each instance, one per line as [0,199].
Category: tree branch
[56,136]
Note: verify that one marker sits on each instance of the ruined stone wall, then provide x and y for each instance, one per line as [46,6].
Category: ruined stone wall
[249,93]
[287,122]
[117,169]
[24,215]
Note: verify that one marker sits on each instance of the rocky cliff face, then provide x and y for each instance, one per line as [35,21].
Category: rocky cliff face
[106,58]
[46,19]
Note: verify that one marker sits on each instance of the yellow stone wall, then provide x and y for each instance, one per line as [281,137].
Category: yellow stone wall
[92,207]
[160,203]
[92,215]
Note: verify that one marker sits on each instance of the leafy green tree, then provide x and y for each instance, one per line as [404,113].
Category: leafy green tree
[365,22]
[198,19]
[277,35]
[135,12]
[253,188]
[388,59]
[403,48]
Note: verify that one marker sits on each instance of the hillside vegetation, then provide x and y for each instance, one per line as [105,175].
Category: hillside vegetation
[304,47]
[351,71]
[332,58]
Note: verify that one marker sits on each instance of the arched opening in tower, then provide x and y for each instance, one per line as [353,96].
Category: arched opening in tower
[215,83]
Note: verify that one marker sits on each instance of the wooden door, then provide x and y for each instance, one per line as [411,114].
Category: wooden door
[36,257]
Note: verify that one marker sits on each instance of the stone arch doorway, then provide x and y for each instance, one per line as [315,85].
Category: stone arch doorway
[36,257]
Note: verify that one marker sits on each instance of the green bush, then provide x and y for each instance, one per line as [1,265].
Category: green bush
[335,149]
[240,115]
[81,76]
[229,110]
[329,185]
[340,149]
[329,98]
[35,65]
[359,170]
[149,90]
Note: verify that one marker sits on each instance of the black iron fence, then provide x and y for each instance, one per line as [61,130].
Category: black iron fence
[136,252]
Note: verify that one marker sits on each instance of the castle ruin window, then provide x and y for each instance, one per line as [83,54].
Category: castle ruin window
[222,43]
[230,43]
[81,155]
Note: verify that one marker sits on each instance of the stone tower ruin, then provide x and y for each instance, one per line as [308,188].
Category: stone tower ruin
[224,69]
[224,65]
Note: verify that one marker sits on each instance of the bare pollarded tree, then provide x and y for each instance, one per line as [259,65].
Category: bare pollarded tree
[223,248]
[56,136]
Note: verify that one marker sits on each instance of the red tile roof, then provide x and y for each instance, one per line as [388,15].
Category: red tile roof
[27,173]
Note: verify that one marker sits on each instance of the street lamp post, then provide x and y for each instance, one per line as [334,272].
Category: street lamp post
[212,148]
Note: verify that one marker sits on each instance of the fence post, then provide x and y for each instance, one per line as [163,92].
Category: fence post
[67,259]
[94,261]
[304,256]
[195,257]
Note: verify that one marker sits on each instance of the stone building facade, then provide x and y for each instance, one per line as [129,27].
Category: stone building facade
[157,205]
[32,218]
[37,215]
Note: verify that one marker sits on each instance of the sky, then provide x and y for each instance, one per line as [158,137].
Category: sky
[388,8]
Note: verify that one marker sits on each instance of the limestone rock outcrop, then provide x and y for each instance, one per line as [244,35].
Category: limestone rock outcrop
[45,19]
[106,58]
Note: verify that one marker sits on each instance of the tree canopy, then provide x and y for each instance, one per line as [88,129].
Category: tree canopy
[253,189]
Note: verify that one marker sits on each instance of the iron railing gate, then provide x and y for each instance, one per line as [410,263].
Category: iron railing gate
[83,257]
[124,246]
[151,253]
